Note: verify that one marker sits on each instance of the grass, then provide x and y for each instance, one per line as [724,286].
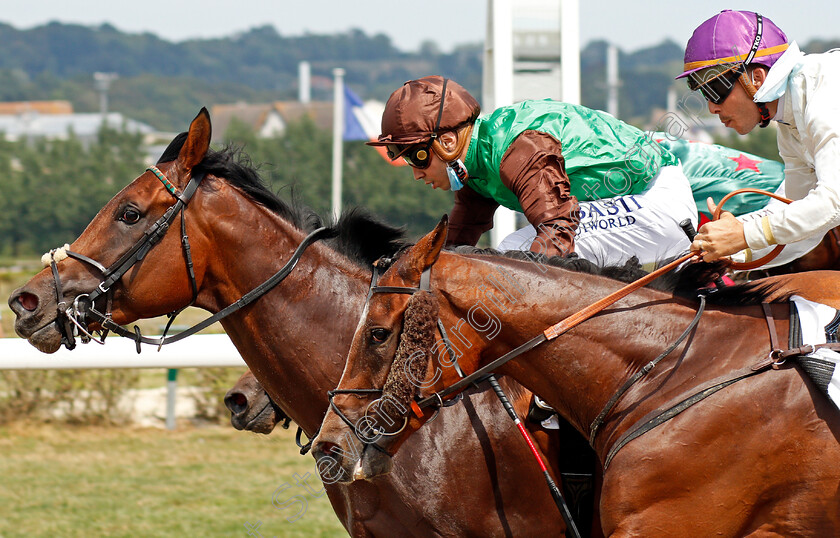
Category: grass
[69,481]
[210,481]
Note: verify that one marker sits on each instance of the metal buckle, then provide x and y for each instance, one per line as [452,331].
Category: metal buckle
[72,314]
[774,356]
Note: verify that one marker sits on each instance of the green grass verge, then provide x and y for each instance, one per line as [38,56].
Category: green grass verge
[89,481]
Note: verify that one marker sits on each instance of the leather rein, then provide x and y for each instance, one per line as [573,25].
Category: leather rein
[78,316]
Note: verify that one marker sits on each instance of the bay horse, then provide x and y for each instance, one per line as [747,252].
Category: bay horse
[251,408]
[468,475]
[758,457]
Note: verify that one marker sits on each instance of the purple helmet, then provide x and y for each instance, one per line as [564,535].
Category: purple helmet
[727,38]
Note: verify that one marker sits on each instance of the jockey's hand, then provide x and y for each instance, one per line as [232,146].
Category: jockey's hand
[721,237]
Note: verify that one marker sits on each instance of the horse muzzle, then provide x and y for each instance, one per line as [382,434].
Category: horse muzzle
[373,463]
[36,318]
[255,413]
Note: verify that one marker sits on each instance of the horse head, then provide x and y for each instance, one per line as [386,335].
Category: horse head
[397,358]
[98,271]
[251,408]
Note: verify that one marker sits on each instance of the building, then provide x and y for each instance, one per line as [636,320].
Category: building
[31,124]
[11,108]
[269,119]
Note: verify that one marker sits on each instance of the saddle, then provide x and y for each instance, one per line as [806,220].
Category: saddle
[813,344]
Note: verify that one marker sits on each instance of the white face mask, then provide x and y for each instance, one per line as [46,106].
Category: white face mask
[457,173]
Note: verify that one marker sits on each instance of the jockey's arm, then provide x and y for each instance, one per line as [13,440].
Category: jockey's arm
[815,190]
[533,169]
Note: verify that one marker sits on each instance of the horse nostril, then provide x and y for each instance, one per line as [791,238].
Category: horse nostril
[236,402]
[28,301]
[329,449]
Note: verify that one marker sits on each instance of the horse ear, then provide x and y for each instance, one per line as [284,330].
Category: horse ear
[198,141]
[427,250]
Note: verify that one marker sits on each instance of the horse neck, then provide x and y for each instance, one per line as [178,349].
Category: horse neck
[295,338]
[579,371]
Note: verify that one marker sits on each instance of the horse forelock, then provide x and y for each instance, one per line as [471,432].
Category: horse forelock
[417,337]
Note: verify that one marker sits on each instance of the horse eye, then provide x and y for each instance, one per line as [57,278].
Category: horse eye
[379,335]
[130,215]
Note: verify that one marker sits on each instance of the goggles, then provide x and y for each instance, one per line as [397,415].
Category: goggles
[417,155]
[718,88]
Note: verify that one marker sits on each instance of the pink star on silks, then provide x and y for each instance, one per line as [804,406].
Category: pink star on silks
[745,163]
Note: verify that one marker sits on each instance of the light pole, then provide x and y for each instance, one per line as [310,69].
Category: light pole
[102,83]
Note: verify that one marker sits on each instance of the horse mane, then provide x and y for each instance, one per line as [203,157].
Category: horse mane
[687,281]
[630,271]
[364,239]
[359,236]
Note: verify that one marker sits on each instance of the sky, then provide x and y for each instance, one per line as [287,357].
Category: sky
[630,24]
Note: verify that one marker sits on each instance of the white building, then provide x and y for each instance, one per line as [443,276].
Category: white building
[31,125]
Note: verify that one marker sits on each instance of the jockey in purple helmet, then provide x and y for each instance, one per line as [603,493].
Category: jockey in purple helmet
[744,66]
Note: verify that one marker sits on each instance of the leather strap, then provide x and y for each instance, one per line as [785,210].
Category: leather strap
[771,326]
[683,402]
[596,424]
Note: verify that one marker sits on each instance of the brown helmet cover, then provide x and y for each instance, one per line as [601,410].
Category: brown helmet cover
[412,111]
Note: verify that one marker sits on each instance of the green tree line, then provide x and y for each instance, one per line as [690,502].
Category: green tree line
[299,166]
[51,189]
[163,83]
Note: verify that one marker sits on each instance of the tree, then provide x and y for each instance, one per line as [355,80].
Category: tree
[53,188]
[761,142]
[298,165]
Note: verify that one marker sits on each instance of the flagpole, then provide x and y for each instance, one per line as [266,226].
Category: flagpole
[498,79]
[338,140]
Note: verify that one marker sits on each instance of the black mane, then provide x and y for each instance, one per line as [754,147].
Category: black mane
[630,271]
[364,239]
[687,281]
[359,236]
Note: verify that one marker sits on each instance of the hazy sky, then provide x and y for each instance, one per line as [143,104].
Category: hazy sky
[631,24]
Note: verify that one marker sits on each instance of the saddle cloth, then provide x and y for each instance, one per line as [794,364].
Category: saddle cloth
[818,324]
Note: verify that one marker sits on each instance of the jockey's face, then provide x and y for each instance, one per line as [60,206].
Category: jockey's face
[435,175]
[738,111]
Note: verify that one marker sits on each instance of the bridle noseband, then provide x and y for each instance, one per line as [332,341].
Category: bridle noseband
[378,267]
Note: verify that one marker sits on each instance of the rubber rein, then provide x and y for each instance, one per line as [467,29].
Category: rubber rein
[751,264]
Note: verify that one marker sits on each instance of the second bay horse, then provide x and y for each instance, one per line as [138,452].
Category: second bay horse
[758,457]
